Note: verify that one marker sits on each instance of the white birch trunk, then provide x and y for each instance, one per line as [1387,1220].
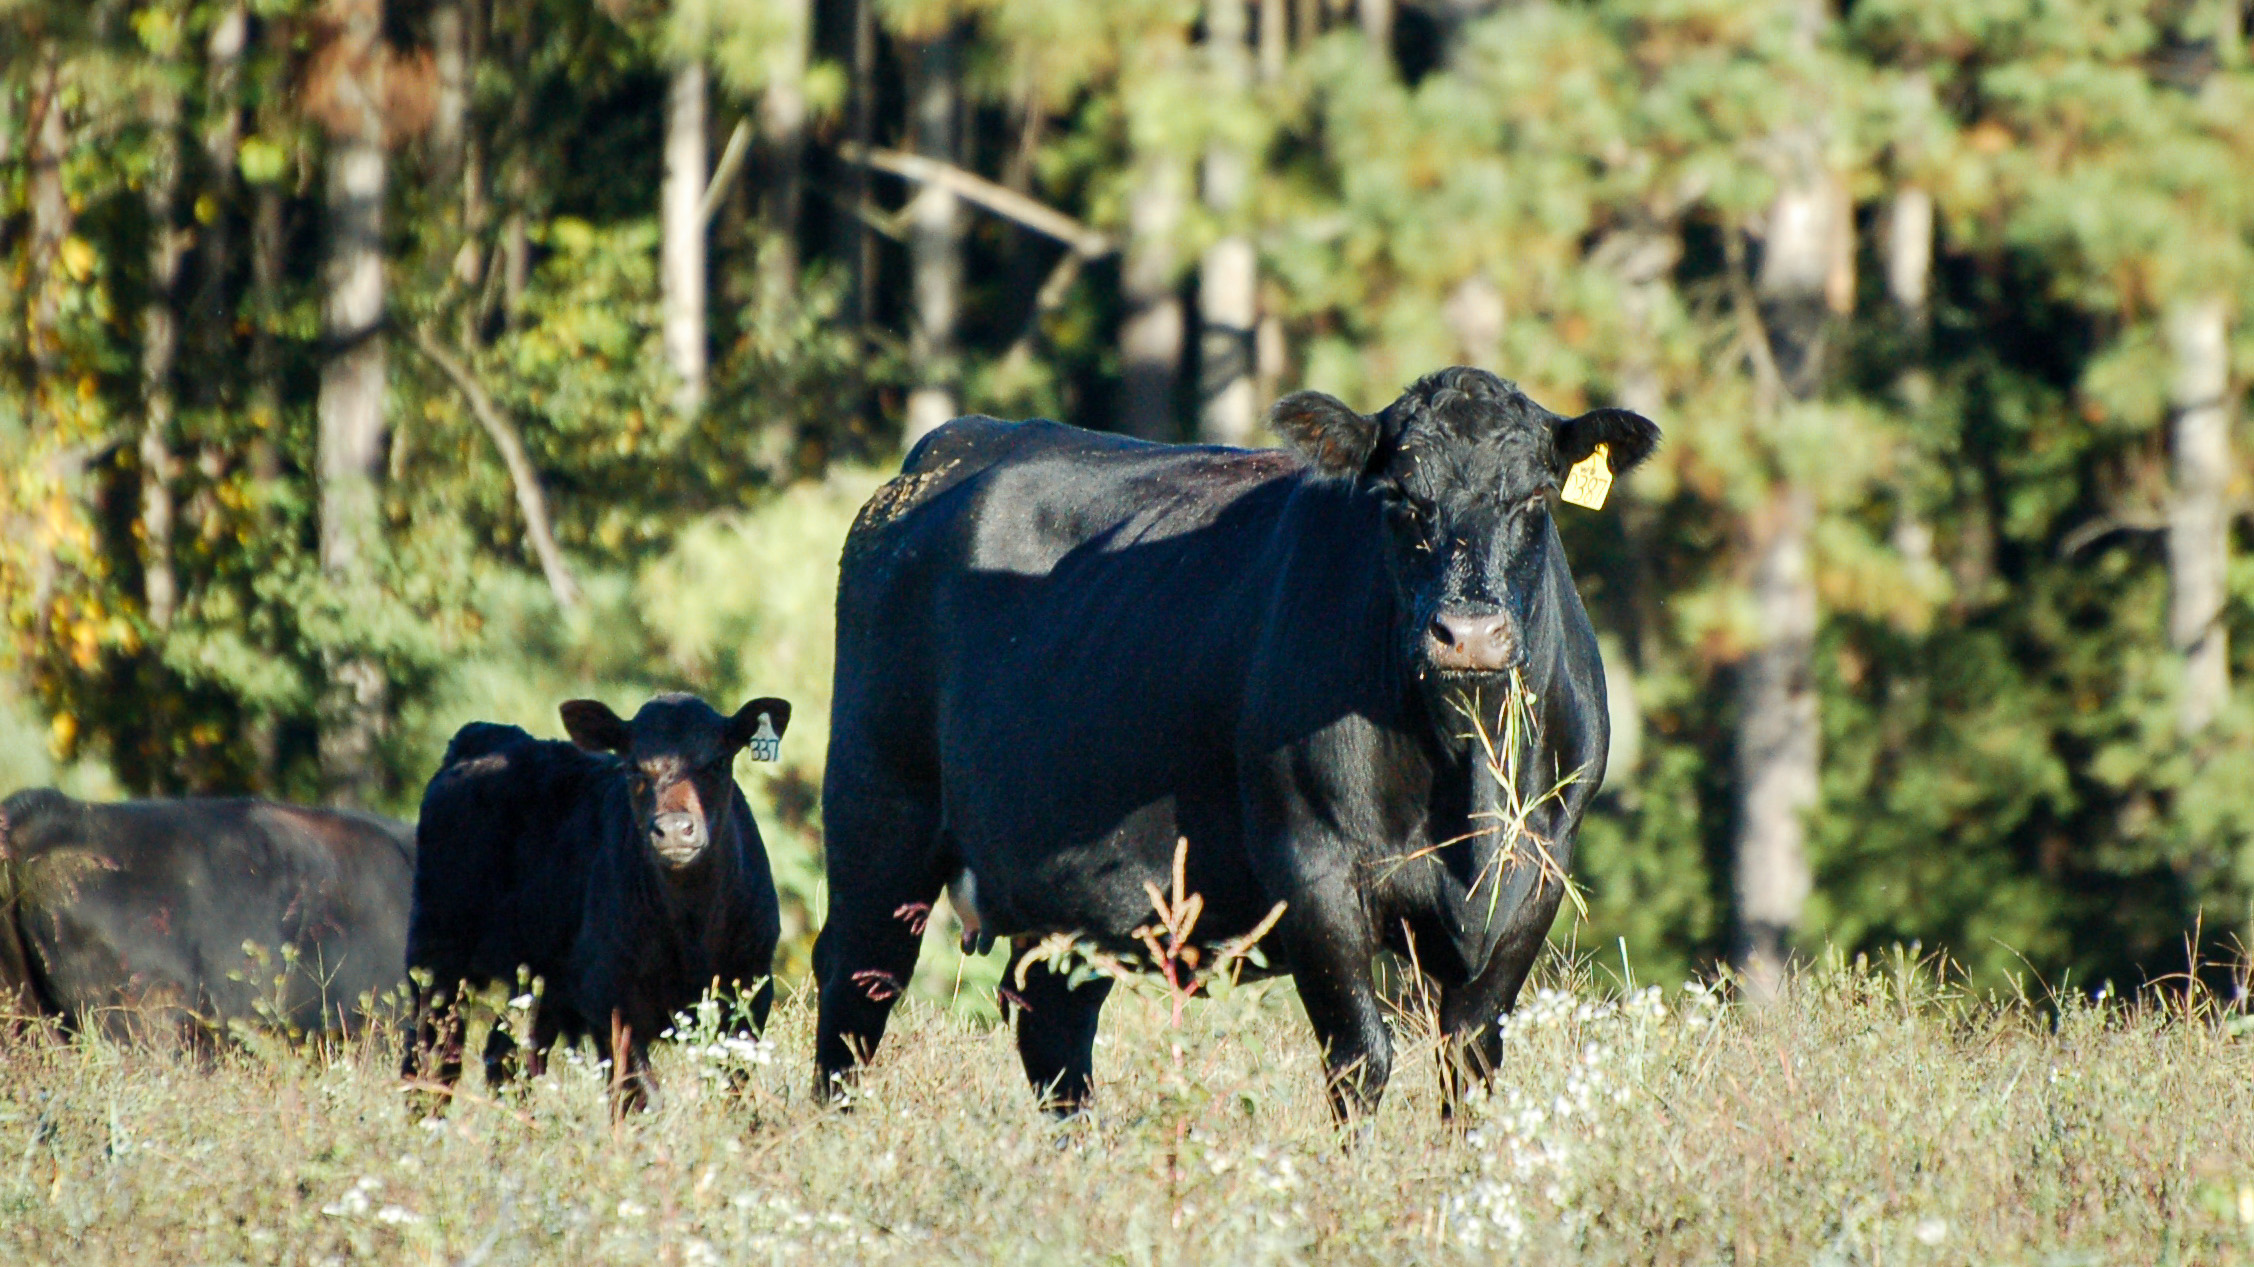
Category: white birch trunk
[1151,335]
[782,130]
[1376,20]
[160,344]
[1778,757]
[935,245]
[351,404]
[1909,252]
[1777,753]
[1228,276]
[682,268]
[2199,510]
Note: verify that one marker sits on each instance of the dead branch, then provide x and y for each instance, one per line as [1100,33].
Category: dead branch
[529,497]
[999,199]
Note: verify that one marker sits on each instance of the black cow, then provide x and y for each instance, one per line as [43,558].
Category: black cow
[625,871]
[1058,651]
[134,917]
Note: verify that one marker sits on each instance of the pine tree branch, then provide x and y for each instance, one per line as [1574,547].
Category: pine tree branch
[527,482]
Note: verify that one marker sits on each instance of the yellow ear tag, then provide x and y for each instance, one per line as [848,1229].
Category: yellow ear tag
[1590,479]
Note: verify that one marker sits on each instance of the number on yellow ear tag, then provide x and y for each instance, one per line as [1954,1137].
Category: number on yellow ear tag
[1590,479]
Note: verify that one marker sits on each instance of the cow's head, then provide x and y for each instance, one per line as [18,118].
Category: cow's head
[1464,465]
[680,757]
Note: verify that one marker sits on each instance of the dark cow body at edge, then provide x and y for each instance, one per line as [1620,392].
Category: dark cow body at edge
[1058,651]
[134,916]
[624,869]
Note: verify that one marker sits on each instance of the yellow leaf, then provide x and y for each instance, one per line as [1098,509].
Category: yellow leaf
[78,258]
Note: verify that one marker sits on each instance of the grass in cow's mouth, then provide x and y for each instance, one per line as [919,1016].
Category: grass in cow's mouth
[1880,1113]
[1500,747]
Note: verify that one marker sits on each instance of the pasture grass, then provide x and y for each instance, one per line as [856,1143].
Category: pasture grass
[1879,1114]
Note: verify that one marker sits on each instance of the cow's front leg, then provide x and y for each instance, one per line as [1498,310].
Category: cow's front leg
[1056,1030]
[1327,937]
[1471,1031]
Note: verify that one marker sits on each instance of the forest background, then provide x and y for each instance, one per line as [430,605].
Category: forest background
[374,365]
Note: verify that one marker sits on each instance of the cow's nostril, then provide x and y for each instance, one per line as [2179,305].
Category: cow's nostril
[1482,643]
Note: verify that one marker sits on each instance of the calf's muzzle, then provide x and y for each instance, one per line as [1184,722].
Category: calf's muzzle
[679,834]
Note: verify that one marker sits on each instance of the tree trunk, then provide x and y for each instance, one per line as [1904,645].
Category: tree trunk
[1376,20]
[1228,276]
[1150,337]
[683,250]
[1777,753]
[1808,247]
[935,243]
[214,310]
[352,434]
[862,239]
[1642,257]
[1475,314]
[50,225]
[1909,281]
[782,130]
[160,345]
[449,124]
[2199,512]
[1275,39]
[1909,254]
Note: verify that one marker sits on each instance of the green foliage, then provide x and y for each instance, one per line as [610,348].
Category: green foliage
[1575,193]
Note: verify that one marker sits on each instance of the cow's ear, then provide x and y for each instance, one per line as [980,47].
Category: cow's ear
[1629,438]
[592,726]
[744,726]
[1327,433]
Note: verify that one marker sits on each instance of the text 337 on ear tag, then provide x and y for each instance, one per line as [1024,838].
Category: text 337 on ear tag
[1590,479]
[766,745]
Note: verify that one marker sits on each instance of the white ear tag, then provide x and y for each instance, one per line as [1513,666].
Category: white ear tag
[1590,479]
[765,744]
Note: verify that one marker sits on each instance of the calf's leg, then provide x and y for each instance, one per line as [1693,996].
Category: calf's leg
[1056,1030]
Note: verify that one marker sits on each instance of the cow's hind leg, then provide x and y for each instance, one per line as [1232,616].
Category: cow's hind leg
[884,876]
[1056,1030]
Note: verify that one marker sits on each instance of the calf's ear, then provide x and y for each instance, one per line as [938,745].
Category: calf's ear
[1629,438]
[1325,432]
[592,726]
[744,726]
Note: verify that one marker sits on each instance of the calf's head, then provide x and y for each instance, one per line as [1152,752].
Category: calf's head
[1463,464]
[680,757]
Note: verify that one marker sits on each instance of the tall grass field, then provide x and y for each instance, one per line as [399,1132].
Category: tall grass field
[1879,1115]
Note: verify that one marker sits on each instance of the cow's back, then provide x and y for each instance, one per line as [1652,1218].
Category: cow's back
[502,849]
[122,911]
[1049,629]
